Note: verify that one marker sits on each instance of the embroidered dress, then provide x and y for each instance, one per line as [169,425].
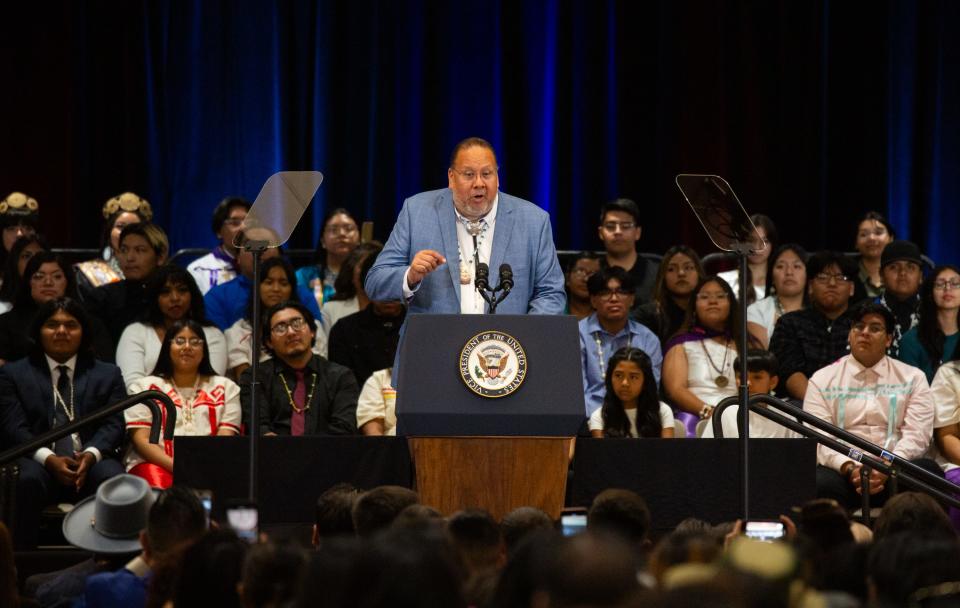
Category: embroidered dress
[215,405]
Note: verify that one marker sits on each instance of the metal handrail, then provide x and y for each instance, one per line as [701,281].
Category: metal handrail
[870,455]
[148,398]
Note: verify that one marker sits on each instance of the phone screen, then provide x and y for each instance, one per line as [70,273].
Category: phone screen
[206,499]
[767,531]
[573,523]
[244,521]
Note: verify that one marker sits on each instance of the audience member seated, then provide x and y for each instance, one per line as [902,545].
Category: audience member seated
[935,338]
[762,378]
[376,509]
[786,286]
[172,296]
[619,232]
[175,518]
[946,424]
[349,295]
[46,277]
[679,273]
[518,524]
[300,393]
[902,271]
[207,403]
[143,249]
[590,570]
[907,570]
[19,215]
[814,337]
[59,382]
[578,298]
[366,341]
[377,405]
[207,573]
[335,514]
[874,397]
[23,249]
[118,212]
[757,262]
[874,233]
[475,535]
[631,407]
[220,266]
[339,237]
[913,513]
[228,302]
[621,513]
[609,328]
[698,368]
[277,284]
[272,575]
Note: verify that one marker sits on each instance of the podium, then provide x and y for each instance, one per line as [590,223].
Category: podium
[490,404]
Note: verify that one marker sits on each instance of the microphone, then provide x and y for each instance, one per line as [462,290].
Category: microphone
[506,277]
[483,277]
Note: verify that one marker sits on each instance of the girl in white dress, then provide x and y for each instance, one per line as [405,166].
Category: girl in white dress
[207,404]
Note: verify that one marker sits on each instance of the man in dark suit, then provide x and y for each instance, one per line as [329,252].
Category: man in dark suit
[59,382]
[299,393]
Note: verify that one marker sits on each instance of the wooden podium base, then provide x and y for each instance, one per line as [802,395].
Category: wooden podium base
[498,474]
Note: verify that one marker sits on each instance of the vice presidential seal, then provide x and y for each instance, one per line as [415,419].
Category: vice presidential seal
[493,364]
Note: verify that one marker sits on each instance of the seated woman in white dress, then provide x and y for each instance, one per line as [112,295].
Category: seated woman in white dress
[786,288]
[278,283]
[762,378]
[698,364]
[207,404]
[630,406]
[376,407]
[173,296]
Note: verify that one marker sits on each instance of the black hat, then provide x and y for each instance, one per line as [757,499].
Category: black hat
[898,251]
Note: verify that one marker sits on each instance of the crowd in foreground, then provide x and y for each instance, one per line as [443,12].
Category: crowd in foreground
[383,548]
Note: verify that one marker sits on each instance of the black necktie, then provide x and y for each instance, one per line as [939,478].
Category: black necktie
[64,445]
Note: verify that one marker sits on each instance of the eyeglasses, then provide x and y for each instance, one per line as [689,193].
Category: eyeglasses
[608,294]
[283,327]
[945,285]
[341,229]
[624,226]
[233,222]
[872,328]
[719,296]
[826,277]
[194,342]
[41,277]
[469,176]
[582,272]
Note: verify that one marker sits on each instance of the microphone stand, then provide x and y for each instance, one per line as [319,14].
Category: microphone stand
[482,275]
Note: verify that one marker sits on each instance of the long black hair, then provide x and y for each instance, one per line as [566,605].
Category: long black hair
[265,269]
[171,274]
[11,279]
[615,421]
[343,286]
[772,261]
[72,308]
[164,366]
[731,327]
[24,291]
[320,254]
[929,332]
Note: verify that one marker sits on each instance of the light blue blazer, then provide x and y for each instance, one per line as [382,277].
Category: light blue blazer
[522,237]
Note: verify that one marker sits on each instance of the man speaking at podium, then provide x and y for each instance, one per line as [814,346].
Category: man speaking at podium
[429,261]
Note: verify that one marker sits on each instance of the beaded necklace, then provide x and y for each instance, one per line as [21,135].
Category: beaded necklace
[293,404]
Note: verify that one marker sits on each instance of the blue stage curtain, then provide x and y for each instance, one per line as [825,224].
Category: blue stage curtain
[815,111]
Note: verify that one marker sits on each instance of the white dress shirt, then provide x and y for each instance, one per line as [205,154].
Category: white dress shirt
[42,454]
[470,300]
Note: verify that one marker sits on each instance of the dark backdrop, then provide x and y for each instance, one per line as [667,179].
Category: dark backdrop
[816,111]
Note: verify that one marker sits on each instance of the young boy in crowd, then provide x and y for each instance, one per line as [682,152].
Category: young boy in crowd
[761,379]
